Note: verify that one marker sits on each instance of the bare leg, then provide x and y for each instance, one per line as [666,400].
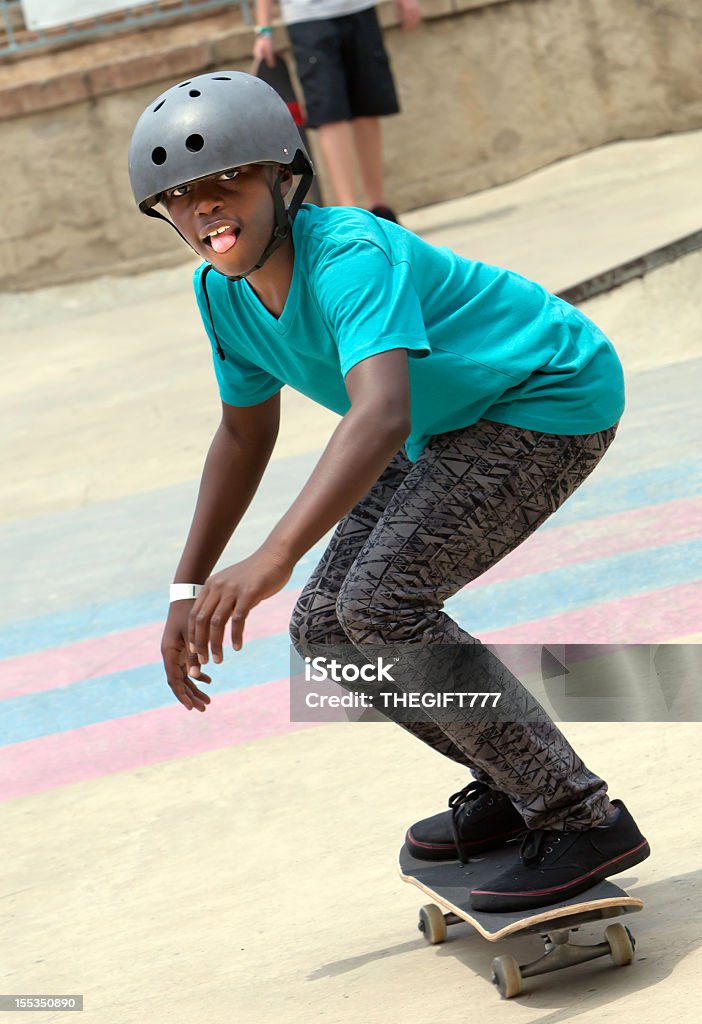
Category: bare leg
[369,151]
[337,144]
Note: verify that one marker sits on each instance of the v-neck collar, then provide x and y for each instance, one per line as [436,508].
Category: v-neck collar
[281,323]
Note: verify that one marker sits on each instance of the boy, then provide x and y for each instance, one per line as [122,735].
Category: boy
[472,402]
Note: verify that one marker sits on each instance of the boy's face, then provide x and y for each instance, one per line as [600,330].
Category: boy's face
[227,217]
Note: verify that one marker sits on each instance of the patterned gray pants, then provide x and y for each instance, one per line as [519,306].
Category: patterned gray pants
[423,532]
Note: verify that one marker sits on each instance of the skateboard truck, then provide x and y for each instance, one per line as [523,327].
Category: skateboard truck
[559,951]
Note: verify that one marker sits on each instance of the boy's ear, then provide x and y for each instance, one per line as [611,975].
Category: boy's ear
[286,179]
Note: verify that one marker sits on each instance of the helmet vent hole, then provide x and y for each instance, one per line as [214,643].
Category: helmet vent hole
[194,93]
[194,143]
[158,106]
[183,84]
[159,155]
[221,78]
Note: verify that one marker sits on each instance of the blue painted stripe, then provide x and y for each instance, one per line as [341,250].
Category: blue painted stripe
[97,620]
[136,690]
[558,591]
[596,499]
[485,608]
[599,497]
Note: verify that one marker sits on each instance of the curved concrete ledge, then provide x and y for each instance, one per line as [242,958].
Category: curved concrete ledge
[613,278]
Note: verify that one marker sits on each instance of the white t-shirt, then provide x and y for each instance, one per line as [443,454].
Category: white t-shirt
[292,11]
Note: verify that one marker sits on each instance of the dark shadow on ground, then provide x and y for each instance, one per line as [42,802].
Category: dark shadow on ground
[666,931]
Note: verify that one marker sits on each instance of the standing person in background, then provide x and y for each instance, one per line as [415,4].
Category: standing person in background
[347,84]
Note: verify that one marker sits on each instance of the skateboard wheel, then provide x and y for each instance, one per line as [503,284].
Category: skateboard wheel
[621,944]
[507,976]
[432,924]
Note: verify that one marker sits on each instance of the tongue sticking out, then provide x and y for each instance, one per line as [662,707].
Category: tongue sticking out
[224,242]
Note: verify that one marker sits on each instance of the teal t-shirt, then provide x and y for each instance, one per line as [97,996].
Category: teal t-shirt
[483,342]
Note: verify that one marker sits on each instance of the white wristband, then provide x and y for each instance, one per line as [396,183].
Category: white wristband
[185,591]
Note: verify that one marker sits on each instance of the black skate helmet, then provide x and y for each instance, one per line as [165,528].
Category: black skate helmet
[212,123]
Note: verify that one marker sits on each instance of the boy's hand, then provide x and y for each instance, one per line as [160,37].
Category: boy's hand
[231,594]
[409,12]
[178,663]
[263,50]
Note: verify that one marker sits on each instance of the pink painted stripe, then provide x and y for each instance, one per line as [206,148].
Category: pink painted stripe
[119,652]
[146,738]
[558,548]
[651,527]
[673,609]
[245,715]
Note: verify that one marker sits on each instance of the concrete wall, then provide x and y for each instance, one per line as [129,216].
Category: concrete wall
[490,90]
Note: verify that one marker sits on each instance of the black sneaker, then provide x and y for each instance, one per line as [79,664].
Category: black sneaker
[385,213]
[554,866]
[479,818]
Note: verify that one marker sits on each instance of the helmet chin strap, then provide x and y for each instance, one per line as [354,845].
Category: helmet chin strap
[283,220]
[281,231]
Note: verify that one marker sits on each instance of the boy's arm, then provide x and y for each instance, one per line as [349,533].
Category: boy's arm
[237,458]
[263,44]
[264,12]
[369,435]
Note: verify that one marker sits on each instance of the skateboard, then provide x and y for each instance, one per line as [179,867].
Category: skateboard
[450,882]
[278,77]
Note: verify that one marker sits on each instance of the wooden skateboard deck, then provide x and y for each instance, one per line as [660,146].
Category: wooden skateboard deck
[450,882]
[278,77]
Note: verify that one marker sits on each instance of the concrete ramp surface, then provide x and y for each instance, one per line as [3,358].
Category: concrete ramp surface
[235,866]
